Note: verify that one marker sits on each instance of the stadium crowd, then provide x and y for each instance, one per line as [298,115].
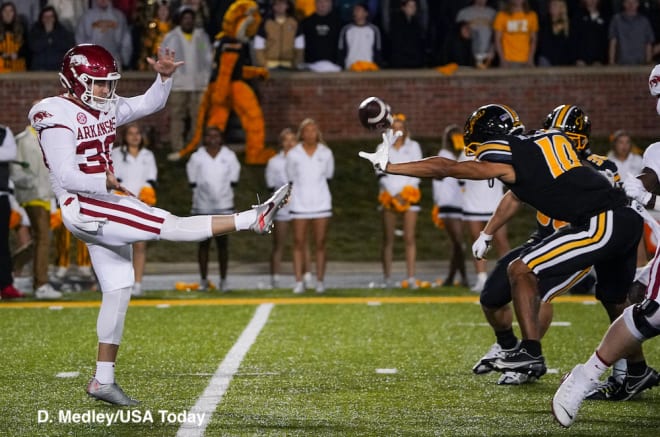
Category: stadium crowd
[331,35]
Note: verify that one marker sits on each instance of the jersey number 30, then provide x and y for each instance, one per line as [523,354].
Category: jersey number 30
[99,160]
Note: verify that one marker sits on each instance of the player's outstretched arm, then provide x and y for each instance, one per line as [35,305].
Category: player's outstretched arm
[165,64]
[439,167]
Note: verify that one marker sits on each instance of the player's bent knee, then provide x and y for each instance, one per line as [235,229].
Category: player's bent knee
[643,319]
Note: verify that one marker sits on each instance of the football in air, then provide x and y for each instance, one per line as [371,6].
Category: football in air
[375,114]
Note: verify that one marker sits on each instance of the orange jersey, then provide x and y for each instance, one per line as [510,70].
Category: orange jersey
[517,30]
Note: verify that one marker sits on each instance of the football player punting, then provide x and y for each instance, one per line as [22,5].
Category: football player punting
[76,134]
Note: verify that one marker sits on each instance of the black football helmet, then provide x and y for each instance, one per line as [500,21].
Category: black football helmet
[488,120]
[574,122]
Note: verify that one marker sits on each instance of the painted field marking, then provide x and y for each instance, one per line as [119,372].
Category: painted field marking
[387,371]
[73,374]
[325,300]
[209,400]
[514,323]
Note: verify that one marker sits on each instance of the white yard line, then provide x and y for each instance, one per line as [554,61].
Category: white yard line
[209,400]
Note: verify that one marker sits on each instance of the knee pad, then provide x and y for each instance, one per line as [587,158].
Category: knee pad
[643,319]
[110,322]
[195,228]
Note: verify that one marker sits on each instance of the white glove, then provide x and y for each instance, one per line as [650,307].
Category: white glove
[70,208]
[481,245]
[635,190]
[381,156]
[174,156]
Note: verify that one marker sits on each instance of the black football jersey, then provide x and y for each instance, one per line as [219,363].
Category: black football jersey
[550,176]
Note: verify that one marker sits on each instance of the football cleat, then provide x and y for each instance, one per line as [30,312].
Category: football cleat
[515,378]
[266,211]
[569,396]
[484,364]
[519,360]
[11,292]
[110,393]
[605,390]
[611,390]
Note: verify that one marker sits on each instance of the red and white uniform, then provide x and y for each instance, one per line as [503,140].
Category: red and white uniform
[651,160]
[77,144]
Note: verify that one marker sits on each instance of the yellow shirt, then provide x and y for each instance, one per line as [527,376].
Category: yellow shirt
[517,29]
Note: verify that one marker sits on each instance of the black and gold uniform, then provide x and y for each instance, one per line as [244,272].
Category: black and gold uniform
[603,231]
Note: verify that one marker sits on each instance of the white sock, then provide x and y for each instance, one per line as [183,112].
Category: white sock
[105,372]
[482,276]
[594,367]
[243,220]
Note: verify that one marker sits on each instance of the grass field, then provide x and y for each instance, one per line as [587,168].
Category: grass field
[311,371]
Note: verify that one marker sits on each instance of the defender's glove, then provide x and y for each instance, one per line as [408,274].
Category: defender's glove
[381,156]
[481,245]
[635,190]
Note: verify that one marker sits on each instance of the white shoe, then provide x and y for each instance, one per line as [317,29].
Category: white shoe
[206,285]
[484,364]
[137,291]
[481,282]
[60,272]
[569,396]
[275,281]
[308,280]
[47,291]
[266,211]
[320,288]
[299,288]
[515,378]
[85,272]
[224,286]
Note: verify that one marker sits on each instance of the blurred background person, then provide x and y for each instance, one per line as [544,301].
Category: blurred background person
[480,199]
[13,40]
[69,11]
[106,26]
[33,192]
[516,27]
[480,17]
[213,172]
[448,197]
[360,42]
[192,45]
[48,41]
[7,154]
[457,47]
[631,36]
[309,167]
[320,32]
[554,36]
[135,168]
[279,44]
[589,28]
[407,37]
[151,36]
[399,198]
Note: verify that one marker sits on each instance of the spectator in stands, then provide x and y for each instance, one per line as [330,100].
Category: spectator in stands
[7,154]
[48,41]
[33,191]
[458,46]
[309,166]
[448,197]
[106,26]
[388,8]
[589,29]
[631,37]
[192,45]
[69,11]
[516,27]
[360,42]
[480,16]
[554,46]
[201,8]
[406,36]
[279,43]
[13,40]
[135,168]
[345,8]
[304,8]
[321,38]
[153,33]
[213,172]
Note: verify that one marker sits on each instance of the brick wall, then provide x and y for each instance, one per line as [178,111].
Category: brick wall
[615,97]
